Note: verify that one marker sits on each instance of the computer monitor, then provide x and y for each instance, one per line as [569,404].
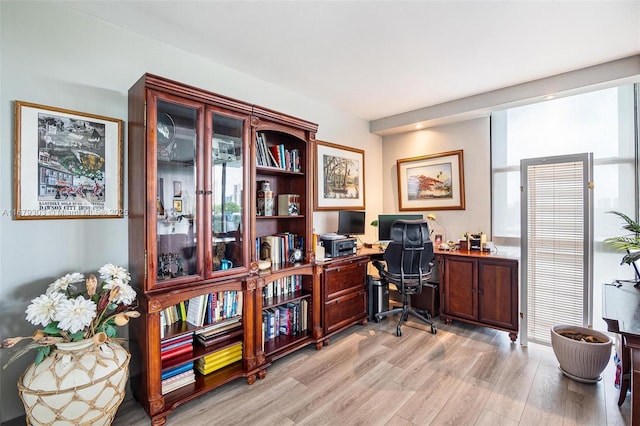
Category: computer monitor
[350,222]
[386,220]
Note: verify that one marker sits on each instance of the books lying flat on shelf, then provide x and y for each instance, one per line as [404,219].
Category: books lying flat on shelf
[177,370]
[178,381]
[219,338]
[220,326]
[174,352]
[219,359]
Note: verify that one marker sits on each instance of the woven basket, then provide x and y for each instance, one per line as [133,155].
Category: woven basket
[79,383]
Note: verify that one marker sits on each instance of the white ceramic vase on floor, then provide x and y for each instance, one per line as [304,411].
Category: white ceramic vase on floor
[581,361]
[79,383]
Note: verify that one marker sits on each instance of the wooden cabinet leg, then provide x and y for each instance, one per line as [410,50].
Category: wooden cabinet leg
[319,346]
[262,374]
[158,421]
[251,379]
[513,336]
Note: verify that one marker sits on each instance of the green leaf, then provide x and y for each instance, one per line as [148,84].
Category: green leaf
[77,336]
[110,330]
[43,351]
[52,329]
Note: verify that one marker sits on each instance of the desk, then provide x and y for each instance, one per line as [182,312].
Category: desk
[621,312]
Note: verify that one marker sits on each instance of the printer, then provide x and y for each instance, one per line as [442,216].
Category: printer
[336,245]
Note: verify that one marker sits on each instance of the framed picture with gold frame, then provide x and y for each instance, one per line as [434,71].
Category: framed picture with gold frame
[339,177]
[431,182]
[67,164]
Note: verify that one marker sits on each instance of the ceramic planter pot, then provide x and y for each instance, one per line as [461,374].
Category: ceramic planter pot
[581,361]
[80,383]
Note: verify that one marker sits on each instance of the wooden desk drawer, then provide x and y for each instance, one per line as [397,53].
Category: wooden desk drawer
[344,277]
[345,309]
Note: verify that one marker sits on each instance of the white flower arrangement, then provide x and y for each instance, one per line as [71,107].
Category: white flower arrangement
[70,314]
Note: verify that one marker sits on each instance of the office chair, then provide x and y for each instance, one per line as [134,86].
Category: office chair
[408,266]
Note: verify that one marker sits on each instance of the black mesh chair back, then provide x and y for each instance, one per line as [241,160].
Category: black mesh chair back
[408,260]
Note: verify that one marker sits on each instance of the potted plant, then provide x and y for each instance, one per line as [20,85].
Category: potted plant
[80,371]
[629,243]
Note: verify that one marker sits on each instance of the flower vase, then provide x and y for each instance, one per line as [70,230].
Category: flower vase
[79,383]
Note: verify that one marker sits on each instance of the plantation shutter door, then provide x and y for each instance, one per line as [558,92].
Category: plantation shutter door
[557,245]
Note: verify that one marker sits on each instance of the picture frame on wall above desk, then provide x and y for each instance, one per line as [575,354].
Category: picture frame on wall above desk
[431,182]
[339,177]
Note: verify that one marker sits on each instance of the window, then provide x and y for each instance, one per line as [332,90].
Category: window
[601,122]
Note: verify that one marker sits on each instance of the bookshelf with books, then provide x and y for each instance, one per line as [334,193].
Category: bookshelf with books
[189,231]
[284,158]
[193,169]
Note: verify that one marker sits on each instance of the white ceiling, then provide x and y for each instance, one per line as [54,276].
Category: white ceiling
[377,59]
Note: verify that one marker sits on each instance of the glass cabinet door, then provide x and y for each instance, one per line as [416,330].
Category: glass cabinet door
[176,234]
[227,191]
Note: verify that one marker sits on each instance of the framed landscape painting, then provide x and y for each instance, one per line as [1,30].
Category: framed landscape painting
[339,177]
[431,182]
[67,164]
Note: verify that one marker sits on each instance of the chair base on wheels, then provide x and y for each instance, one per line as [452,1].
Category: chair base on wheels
[404,312]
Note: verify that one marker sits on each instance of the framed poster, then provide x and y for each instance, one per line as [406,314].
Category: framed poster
[339,177]
[431,182]
[67,164]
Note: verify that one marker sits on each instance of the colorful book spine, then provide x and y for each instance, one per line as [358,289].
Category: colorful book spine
[176,370]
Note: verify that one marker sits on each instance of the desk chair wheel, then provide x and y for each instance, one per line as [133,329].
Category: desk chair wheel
[398,331]
[434,330]
[377,318]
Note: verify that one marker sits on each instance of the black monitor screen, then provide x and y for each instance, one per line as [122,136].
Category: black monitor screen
[386,220]
[350,222]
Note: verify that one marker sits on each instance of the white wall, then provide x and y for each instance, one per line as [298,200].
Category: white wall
[473,138]
[56,56]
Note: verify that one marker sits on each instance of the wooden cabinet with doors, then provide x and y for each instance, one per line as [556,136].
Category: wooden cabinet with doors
[479,288]
[344,294]
[193,237]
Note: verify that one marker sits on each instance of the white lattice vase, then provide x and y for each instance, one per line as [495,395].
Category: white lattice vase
[79,383]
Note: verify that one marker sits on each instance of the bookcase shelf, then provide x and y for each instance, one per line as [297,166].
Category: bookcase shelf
[270,302]
[203,384]
[194,231]
[282,345]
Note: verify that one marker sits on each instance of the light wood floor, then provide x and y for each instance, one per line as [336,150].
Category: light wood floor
[464,375]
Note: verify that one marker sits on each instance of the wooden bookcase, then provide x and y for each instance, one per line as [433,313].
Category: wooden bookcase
[295,177]
[192,175]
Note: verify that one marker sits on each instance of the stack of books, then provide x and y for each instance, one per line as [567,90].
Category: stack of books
[276,155]
[220,331]
[217,360]
[285,320]
[175,346]
[283,286]
[213,307]
[177,377]
[280,245]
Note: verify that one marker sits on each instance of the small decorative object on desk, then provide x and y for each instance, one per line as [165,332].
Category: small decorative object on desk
[80,371]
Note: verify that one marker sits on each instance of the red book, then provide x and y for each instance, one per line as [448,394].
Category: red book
[276,154]
[173,341]
[171,353]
